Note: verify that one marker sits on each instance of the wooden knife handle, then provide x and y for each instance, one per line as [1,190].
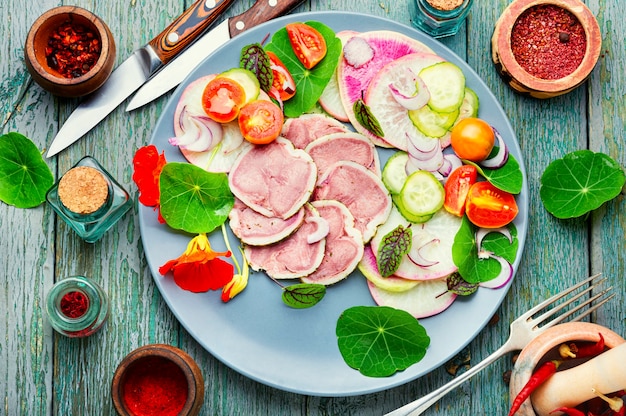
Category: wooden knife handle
[187,27]
[260,12]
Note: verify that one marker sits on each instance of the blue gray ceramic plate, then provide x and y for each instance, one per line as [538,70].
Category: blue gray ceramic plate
[296,350]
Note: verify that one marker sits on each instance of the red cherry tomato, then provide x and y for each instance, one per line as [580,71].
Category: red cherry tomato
[308,44]
[260,121]
[457,187]
[472,139]
[222,98]
[490,207]
[283,81]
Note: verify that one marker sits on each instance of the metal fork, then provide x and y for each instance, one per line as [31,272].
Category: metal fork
[523,330]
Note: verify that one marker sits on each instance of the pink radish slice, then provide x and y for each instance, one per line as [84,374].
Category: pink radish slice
[330,100]
[426,299]
[392,116]
[392,283]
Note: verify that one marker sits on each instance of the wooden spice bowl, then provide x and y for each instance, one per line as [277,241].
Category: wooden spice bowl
[518,78]
[164,369]
[48,77]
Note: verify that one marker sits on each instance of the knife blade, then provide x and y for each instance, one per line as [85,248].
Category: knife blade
[177,70]
[137,69]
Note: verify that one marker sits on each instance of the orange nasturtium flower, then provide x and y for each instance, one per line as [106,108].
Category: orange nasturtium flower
[240,280]
[199,268]
[147,165]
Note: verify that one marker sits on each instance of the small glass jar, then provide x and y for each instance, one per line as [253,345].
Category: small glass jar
[437,17]
[88,199]
[77,307]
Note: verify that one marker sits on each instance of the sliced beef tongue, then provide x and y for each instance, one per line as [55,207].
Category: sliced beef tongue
[275,180]
[304,129]
[344,244]
[360,190]
[335,147]
[294,257]
[257,229]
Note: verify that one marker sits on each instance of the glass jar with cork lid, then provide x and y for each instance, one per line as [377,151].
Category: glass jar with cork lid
[439,18]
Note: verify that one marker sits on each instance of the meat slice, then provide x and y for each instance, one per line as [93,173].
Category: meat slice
[332,148]
[344,244]
[275,179]
[293,257]
[258,230]
[361,191]
[304,129]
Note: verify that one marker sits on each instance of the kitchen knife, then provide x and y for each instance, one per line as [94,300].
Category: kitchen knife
[176,71]
[135,70]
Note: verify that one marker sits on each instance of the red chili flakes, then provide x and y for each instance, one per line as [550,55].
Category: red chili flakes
[74,304]
[548,42]
[72,50]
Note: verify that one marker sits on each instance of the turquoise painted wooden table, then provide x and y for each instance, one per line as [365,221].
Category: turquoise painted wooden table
[43,373]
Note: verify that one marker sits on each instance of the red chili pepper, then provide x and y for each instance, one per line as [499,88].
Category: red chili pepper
[544,372]
[570,411]
[590,350]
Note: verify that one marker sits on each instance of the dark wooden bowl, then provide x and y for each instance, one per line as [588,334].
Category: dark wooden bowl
[48,77]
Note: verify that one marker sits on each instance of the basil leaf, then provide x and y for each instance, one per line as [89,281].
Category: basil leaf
[379,340]
[192,199]
[579,183]
[366,119]
[254,59]
[509,177]
[24,176]
[310,83]
[303,295]
[393,247]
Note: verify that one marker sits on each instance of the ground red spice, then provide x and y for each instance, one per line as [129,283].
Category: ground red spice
[72,50]
[74,304]
[155,387]
[548,42]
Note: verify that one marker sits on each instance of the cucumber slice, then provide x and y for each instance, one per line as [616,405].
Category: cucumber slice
[394,173]
[433,123]
[446,84]
[421,196]
[247,80]
[469,107]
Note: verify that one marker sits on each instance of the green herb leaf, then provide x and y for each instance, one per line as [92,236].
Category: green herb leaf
[465,252]
[303,295]
[24,176]
[458,285]
[379,340]
[509,177]
[254,59]
[365,118]
[310,83]
[394,246]
[192,199]
[579,183]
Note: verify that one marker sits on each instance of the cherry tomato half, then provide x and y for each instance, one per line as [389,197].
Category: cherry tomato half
[222,98]
[260,121]
[283,81]
[457,187]
[490,207]
[472,139]
[307,42]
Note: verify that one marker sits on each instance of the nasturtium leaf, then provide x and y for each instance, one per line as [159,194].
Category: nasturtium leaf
[310,83]
[24,176]
[366,118]
[303,295]
[509,177]
[379,340]
[465,252]
[254,59]
[579,183]
[458,285]
[394,246]
[192,199]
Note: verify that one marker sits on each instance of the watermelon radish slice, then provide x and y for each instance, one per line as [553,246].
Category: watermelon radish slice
[392,283]
[220,156]
[432,241]
[353,82]
[330,100]
[393,118]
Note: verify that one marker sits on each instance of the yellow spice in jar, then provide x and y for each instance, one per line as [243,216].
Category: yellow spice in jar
[83,190]
[445,5]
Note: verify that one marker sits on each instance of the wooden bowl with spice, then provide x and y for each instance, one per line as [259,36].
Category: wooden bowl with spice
[546,48]
[159,380]
[69,51]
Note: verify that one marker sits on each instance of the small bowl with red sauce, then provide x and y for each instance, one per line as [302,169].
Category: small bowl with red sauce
[546,48]
[69,51]
[159,380]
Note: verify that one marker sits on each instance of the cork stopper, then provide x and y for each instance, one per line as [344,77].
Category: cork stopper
[83,190]
[445,5]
